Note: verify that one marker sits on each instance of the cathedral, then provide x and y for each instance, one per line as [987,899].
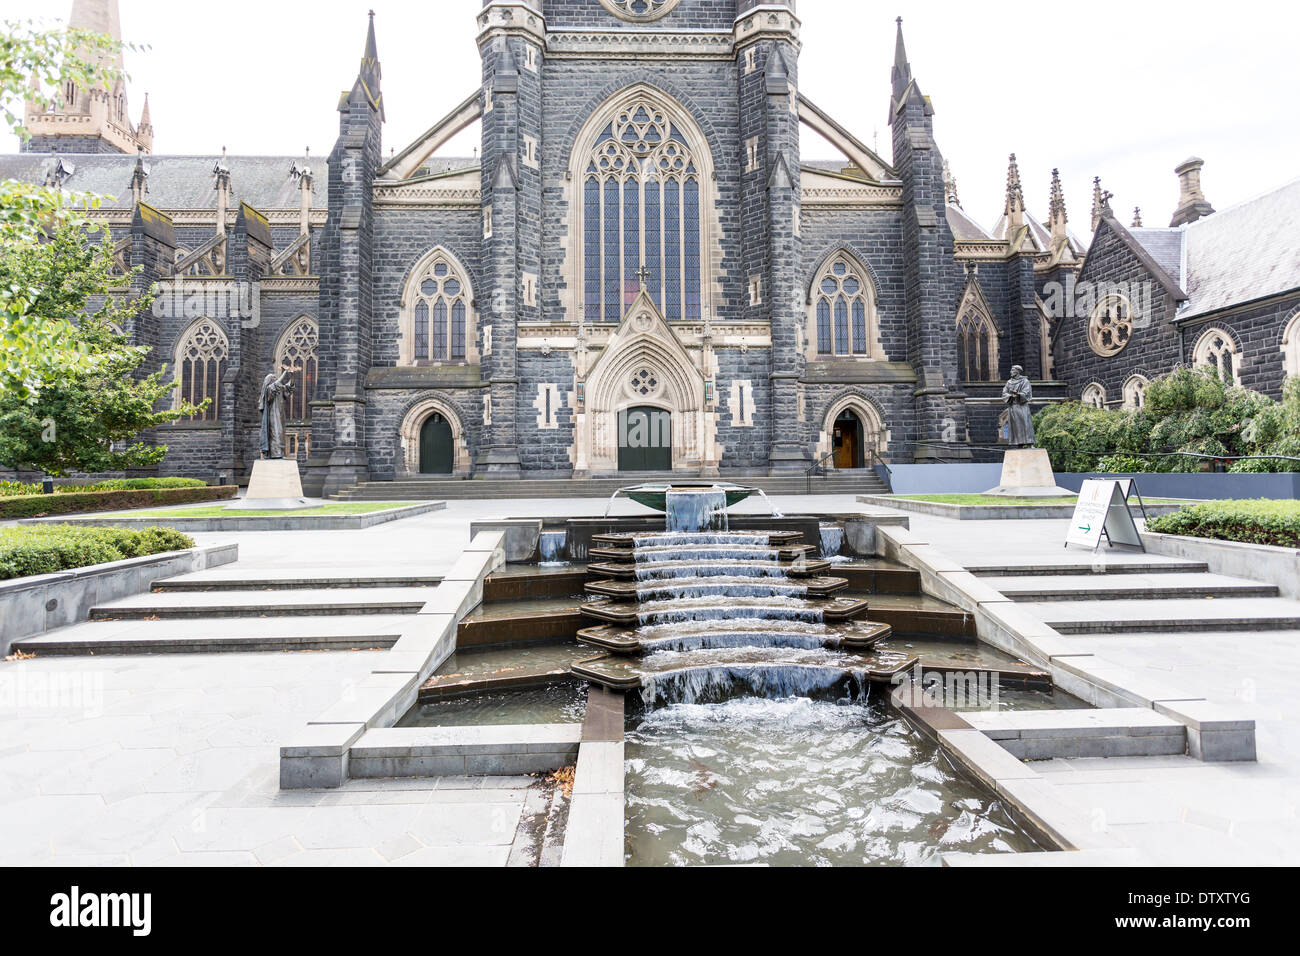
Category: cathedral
[639,273]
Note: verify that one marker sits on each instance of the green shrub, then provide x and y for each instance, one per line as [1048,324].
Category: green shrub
[45,549]
[1191,411]
[9,489]
[79,502]
[1260,521]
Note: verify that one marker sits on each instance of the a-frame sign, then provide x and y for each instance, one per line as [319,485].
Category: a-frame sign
[1102,509]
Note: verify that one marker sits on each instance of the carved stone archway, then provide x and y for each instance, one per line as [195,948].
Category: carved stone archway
[874,433]
[644,364]
[413,421]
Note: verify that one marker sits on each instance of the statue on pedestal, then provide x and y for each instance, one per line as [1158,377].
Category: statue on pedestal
[1017,395]
[275,389]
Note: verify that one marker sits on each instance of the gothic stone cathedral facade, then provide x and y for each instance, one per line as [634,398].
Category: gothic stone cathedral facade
[638,249]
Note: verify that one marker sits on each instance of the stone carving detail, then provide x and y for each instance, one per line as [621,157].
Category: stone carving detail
[1111,326]
[639,11]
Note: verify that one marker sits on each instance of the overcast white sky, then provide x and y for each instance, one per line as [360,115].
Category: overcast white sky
[1125,90]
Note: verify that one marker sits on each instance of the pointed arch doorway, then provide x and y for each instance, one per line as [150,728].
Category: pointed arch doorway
[847,441]
[437,446]
[645,439]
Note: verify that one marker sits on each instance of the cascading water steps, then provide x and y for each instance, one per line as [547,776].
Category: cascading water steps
[699,613]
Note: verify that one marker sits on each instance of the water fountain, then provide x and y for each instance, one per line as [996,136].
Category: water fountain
[712,613]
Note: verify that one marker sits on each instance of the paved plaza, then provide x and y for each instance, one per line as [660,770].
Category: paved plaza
[173,758]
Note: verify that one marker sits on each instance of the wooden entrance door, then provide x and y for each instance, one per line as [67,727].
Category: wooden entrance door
[847,442]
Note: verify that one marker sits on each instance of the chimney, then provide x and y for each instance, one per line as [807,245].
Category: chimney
[1192,204]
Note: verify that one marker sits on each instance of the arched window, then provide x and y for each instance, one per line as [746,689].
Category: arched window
[1094,395]
[201,356]
[1216,350]
[639,10]
[844,310]
[296,352]
[643,211]
[437,313]
[1135,392]
[977,346]
[1291,345]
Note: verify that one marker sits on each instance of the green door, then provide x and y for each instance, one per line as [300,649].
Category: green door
[645,439]
[436,451]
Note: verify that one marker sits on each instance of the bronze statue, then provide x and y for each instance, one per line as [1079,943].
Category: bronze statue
[1017,395]
[275,388]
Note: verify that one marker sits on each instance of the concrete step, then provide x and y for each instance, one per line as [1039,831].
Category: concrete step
[235,604]
[419,489]
[1173,615]
[220,634]
[1071,734]
[224,579]
[1125,565]
[1158,587]
[461,751]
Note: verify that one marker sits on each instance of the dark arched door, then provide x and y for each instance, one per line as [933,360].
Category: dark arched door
[645,439]
[847,441]
[437,447]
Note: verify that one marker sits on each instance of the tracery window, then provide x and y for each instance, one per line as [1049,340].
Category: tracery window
[297,353]
[201,356]
[1216,350]
[977,346]
[844,303]
[1111,325]
[1291,345]
[642,217]
[640,10]
[438,312]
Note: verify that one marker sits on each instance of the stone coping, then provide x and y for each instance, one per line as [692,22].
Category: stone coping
[1074,666]
[996,512]
[320,754]
[289,521]
[1269,563]
[594,834]
[30,606]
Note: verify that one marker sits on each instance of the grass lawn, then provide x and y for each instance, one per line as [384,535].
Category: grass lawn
[988,501]
[224,511]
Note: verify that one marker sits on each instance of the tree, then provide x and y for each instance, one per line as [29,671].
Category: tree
[34,65]
[86,418]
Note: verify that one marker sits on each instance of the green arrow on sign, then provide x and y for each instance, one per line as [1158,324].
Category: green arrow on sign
[1085,528]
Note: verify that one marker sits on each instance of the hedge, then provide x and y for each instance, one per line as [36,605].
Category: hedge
[80,502]
[10,489]
[45,549]
[1260,521]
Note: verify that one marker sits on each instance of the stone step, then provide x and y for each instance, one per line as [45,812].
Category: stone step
[1158,587]
[1173,615]
[220,635]
[1109,567]
[1071,734]
[235,604]
[291,581]
[418,489]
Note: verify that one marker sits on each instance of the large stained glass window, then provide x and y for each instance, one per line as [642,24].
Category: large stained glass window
[642,210]
[296,353]
[201,356]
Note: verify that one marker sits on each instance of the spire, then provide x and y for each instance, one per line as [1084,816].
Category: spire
[1015,207]
[145,122]
[1137,217]
[904,84]
[1057,217]
[369,75]
[950,186]
[98,16]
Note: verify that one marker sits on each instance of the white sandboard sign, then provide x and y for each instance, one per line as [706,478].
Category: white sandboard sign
[1102,508]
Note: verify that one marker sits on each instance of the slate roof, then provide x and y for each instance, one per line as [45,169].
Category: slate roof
[177,182]
[1040,234]
[1241,254]
[963,226]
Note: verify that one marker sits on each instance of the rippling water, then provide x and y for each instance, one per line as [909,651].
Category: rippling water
[799,782]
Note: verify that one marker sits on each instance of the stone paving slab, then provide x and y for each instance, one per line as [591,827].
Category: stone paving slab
[1150,586]
[205,635]
[1177,614]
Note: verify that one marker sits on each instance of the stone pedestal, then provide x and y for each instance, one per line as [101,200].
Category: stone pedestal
[1027,473]
[274,484]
